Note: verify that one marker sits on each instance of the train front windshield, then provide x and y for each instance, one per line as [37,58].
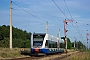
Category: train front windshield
[38,40]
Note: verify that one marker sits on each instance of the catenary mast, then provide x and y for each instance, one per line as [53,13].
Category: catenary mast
[11,25]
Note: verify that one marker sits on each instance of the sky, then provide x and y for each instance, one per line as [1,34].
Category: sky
[32,15]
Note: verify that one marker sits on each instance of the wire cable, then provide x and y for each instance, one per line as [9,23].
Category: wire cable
[27,11]
[64,13]
[68,9]
[60,9]
[32,14]
[40,18]
[69,13]
[72,18]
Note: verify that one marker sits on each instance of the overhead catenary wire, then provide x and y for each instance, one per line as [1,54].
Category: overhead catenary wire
[33,15]
[62,12]
[68,9]
[73,19]
[52,25]
[40,18]
[60,9]
[27,11]
[49,15]
[65,15]
[78,30]
[69,13]
[42,14]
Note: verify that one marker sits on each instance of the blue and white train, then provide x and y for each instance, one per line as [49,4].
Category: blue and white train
[42,43]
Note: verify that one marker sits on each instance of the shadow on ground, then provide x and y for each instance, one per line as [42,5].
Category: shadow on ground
[26,52]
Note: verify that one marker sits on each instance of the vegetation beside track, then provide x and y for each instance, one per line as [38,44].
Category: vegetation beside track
[85,55]
[14,53]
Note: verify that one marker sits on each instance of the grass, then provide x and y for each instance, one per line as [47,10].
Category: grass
[81,56]
[16,52]
[8,53]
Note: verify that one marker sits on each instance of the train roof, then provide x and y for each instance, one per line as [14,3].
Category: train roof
[39,33]
[44,34]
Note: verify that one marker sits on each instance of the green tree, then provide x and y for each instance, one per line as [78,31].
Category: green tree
[79,45]
[20,38]
[4,43]
[69,44]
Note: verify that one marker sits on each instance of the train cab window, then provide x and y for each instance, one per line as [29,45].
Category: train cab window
[37,43]
[38,40]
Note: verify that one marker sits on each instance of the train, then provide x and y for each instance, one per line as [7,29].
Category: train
[43,44]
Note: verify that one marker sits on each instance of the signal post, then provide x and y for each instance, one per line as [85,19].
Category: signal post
[65,30]
[87,40]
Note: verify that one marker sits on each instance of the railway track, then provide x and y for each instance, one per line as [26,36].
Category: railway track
[46,57]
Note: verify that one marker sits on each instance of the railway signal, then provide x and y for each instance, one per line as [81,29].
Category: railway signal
[87,40]
[65,30]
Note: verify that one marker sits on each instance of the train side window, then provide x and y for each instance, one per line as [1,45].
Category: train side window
[50,44]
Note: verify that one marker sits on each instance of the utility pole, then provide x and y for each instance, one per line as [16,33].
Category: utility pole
[11,25]
[65,23]
[58,35]
[47,27]
[75,42]
[87,40]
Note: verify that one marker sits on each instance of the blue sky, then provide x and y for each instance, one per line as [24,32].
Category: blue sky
[46,10]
